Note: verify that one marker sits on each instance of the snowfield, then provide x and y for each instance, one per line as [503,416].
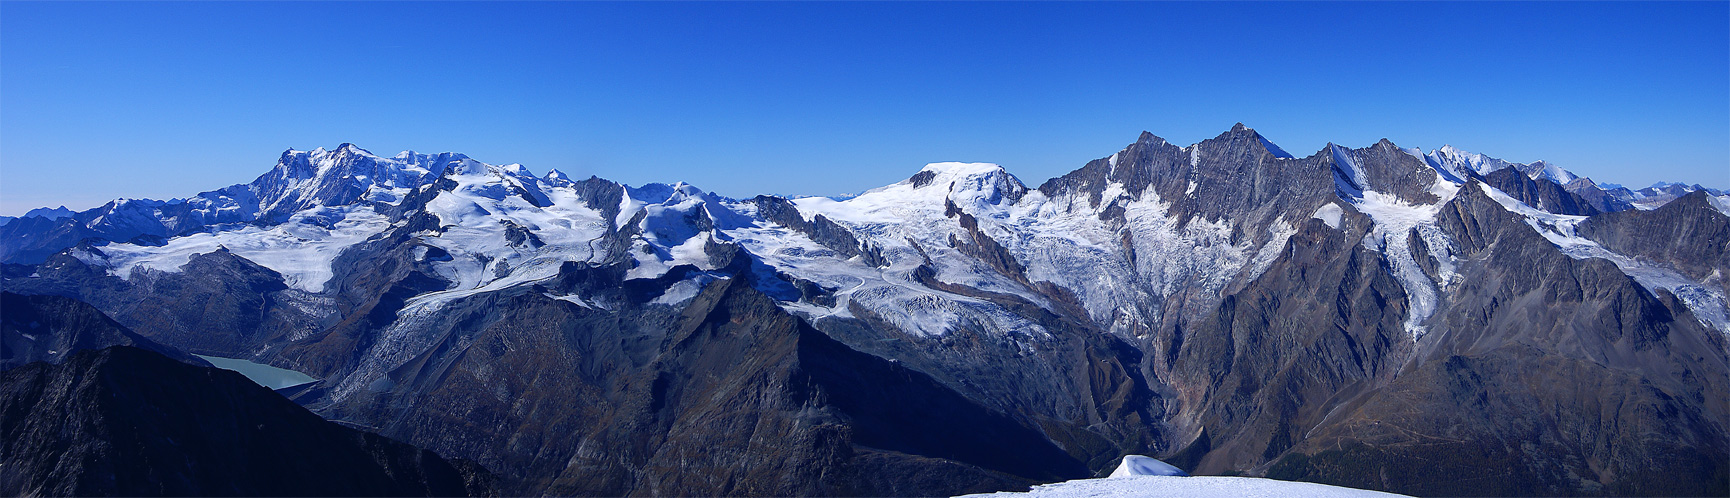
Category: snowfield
[301,249]
[1190,487]
[1137,465]
[1149,477]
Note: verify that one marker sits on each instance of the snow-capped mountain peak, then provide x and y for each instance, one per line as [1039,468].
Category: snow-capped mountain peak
[470,167]
[1459,162]
[1350,180]
[1546,170]
[1240,129]
[1148,138]
[965,183]
[961,169]
[669,194]
[1463,164]
[52,214]
[557,178]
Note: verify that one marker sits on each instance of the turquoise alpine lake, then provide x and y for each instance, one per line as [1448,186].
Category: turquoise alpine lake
[264,375]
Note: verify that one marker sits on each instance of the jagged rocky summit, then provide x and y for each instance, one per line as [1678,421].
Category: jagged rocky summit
[1379,317]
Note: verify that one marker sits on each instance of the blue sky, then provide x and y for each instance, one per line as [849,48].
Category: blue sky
[158,100]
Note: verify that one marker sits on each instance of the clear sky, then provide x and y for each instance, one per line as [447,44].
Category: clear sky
[159,100]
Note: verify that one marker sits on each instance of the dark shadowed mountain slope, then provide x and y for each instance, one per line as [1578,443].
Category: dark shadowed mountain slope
[1320,327]
[1539,193]
[217,303]
[52,328]
[1687,234]
[731,396]
[746,400]
[1542,375]
[1602,200]
[128,422]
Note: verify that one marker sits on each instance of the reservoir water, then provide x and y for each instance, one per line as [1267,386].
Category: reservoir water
[264,375]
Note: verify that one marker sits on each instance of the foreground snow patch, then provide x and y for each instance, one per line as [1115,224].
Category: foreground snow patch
[1137,465]
[1190,487]
[1143,476]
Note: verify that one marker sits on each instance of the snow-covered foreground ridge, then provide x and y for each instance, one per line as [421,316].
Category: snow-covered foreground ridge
[1139,476]
[1189,487]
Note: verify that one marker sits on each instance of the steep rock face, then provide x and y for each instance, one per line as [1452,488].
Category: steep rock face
[1232,176]
[52,328]
[521,372]
[1085,388]
[730,396]
[1687,234]
[375,280]
[747,400]
[1386,168]
[127,422]
[1604,201]
[941,289]
[1541,194]
[1545,375]
[821,230]
[1178,226]
[218,303]
[303,180]
[1319,328]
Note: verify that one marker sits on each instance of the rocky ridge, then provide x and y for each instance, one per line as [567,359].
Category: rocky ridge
[123,421]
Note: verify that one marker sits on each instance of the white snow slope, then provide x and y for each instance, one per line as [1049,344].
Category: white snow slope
[1189,487]
[1143,476]
[1137,465]
[301,249]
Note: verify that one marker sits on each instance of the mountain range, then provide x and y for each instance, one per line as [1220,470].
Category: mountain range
[1429,323]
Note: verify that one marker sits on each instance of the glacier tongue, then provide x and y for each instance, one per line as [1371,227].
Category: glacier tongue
[1394,221]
